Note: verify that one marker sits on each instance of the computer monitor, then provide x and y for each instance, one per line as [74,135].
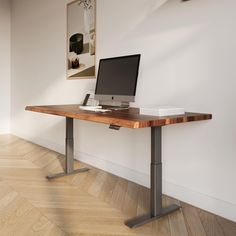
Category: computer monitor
[117,79]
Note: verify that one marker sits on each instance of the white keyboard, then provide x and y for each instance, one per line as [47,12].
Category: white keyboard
[94,108]
[89,107]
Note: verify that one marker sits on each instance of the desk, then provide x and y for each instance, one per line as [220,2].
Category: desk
[128,119]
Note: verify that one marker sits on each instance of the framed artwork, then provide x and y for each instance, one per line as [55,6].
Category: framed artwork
[81,39]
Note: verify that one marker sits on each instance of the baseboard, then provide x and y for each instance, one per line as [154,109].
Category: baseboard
[208,203]
[5,130]
[200,200]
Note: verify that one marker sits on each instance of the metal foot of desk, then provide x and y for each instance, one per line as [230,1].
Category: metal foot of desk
[156,210]
[49,177]
[69,169]
[144,219]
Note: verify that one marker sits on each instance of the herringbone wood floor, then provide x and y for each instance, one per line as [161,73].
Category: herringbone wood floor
[92,203]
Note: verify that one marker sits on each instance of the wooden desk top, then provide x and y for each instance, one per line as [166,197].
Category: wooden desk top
[125,118]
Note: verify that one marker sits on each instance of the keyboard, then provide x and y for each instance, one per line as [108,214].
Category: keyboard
[94,108]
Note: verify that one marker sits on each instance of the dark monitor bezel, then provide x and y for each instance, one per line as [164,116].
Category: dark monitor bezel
[112,97]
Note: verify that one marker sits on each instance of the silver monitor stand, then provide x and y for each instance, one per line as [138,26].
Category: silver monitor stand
[114,105]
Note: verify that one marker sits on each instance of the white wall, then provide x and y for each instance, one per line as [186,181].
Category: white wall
[5,42]
[188,59]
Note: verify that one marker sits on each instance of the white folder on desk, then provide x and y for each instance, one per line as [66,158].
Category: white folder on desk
[161,110]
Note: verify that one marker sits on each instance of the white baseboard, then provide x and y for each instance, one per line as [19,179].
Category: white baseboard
[208,203]
[5,130]
[200,200]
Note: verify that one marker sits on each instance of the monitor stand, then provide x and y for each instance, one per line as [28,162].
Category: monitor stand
[114,105]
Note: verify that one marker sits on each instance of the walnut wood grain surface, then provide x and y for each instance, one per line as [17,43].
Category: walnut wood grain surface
[126,118]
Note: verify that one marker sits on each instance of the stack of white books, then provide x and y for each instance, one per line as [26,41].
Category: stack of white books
[161,110]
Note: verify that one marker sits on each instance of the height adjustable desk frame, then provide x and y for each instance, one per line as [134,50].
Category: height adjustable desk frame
[69,142]
[156,209]
[129,119]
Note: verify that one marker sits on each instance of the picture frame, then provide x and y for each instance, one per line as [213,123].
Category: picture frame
[81,39]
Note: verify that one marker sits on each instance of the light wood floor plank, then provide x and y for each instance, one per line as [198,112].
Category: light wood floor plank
[144,208]
[44,160]
[36,153]
[119,192]
[162,225]
[176,220]
[193,221]
[17,148]
[210,224]
[130,204]
[97,184]
[19,217]
[108,188]
[7,139]
[228,227]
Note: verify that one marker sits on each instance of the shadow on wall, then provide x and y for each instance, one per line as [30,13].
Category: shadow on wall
[49,126]
[174,25]
[169,30]
[175,14]
[39,72]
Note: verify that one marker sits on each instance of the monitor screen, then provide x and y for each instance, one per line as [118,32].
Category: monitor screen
[118,76]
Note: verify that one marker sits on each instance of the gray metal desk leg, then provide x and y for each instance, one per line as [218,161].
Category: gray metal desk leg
[156,209]
[69,168]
